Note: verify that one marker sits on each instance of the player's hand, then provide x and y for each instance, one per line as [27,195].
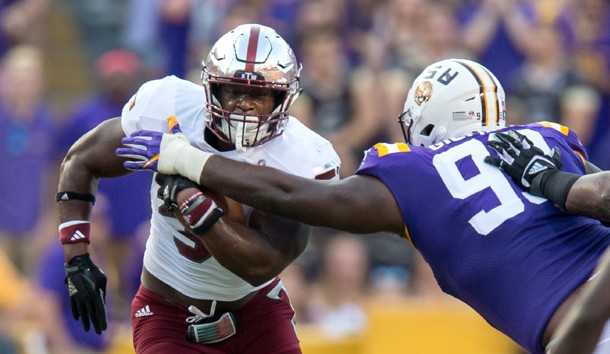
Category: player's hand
[522,161]
[152,150]
[169,187]
[196,212]
[87,289]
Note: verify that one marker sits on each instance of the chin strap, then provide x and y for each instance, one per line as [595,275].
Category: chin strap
[239,135]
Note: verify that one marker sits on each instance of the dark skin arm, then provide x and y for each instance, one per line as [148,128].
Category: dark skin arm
[259,252]
[590,196]
[358,204]
[92,157]
[256,254]
[579,332]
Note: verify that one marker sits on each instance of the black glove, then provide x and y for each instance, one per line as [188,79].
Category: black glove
[87,289]
[169,187]
[197,215]
[526,164]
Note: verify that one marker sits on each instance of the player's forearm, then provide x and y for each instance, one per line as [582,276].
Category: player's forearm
[580,330]
[579,339]
[243,251]
[266,188]
[343,205]
[281,193]
[590,196]
[75,178]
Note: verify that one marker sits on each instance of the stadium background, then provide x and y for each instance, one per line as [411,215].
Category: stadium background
[69,64]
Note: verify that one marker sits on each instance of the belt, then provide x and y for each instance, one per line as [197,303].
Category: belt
[152,283]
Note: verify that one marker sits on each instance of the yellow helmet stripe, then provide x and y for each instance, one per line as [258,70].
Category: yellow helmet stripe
[495,91]
[483,91]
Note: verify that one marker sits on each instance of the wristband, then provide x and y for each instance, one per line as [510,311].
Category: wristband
[555,186]
[207,224]
[72,232]
[65,196]
[200,213]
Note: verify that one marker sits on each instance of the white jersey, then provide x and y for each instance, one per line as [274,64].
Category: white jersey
[174,256]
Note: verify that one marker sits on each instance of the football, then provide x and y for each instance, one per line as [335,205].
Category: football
[232,209]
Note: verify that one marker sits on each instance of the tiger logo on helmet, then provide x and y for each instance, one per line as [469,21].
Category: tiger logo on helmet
[423,92]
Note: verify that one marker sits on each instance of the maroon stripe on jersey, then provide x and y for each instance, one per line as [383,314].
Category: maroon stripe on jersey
[252,47]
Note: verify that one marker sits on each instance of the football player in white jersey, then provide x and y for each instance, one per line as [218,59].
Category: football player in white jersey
[204,289]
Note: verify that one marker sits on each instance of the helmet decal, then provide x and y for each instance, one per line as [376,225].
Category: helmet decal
[423,92]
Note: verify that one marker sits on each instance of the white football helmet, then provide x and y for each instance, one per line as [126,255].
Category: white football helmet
[452,98]
[250,55]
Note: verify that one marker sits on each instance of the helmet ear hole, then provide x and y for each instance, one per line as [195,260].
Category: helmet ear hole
[427,130]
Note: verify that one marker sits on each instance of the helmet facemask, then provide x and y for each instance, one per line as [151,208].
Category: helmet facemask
[242,129]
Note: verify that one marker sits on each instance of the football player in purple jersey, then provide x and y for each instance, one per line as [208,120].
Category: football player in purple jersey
[514,257]
[589,195]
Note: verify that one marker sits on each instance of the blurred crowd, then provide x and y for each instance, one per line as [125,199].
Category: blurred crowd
[359,58]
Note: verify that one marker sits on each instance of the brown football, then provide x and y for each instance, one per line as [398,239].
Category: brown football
[234,210]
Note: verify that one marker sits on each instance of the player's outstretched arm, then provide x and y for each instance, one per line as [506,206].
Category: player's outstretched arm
[359,204]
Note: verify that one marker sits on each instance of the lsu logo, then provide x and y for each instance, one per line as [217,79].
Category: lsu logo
[423,92]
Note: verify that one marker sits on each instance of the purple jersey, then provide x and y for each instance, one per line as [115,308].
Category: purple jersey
[511,256]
